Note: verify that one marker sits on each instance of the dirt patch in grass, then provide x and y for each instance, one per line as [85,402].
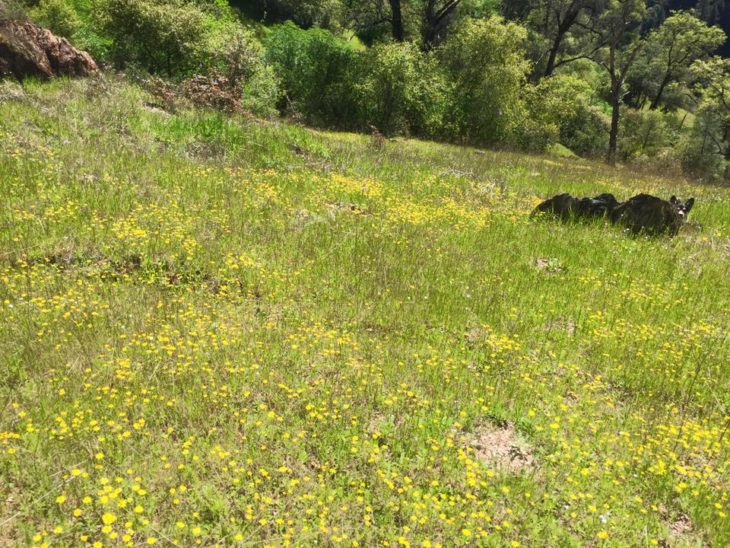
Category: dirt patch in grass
[682,532]
[502,446]
[565,325]
[549,265]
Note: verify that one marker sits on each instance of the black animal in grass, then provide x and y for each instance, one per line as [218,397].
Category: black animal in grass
[645,214]
[642,214]
[567,208]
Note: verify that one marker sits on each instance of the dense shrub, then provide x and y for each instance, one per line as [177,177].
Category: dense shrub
[701,150]
[316,70]
[554,107]
[238,55]
[645,133]
[12,9]
[401,90]
[486,62]
[586,132]
[58,16]
[161,36]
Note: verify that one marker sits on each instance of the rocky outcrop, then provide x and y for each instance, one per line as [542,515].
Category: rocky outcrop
[27,50]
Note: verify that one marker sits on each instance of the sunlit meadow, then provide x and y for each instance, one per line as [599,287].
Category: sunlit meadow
[226,331]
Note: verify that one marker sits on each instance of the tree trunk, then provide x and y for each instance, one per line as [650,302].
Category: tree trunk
[657,98]
[553,56]
[396,21]
[563,27]
[615,115]
[436,20]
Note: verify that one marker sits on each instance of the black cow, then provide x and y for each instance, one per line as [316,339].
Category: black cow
[650,215]
[567,208]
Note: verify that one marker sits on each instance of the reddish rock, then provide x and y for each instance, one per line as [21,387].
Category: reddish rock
[27,50]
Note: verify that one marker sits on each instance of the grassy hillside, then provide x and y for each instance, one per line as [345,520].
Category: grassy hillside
[221,330]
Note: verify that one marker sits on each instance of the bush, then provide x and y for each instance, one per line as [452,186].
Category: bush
[586,133]
[486,62]
[261,92]
[401,90]
[645,133]
[316,70]
[58,16]
[240,57]
[553,106]
[12,9]
[702,149]
[162,36]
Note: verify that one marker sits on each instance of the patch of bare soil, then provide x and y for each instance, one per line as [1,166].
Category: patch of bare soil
[566,325]
[681,530]
[549,265]
[503,447]
[682,533]
[681,526]
[476,335]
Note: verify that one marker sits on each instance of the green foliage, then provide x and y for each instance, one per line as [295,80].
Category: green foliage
[304,13]
[668,54]
[480,8]
[706,150]
[470,87]
[586,133]
[402,90]
[486,62]
[165,36]
[553,106]
[261,91]
[12,9]
[703,150]
[316,71]
[57,15]
[713,79]
[237,54]
[645,133]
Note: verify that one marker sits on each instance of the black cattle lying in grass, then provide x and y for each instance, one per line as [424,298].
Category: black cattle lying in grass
[567,208]
[651,215]
[641,214]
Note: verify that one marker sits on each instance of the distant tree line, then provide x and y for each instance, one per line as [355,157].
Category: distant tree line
[629,80]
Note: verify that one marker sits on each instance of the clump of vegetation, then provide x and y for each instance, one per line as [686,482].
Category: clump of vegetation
[401,91]
[486,61]
[317,71]
[162,37]
[57,15]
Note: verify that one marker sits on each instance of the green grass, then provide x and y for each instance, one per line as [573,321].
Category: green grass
[223,330]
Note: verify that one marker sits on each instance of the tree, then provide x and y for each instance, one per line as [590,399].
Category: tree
[672,48]
[485,61]
[369,15]
[305,13]
[402,90]
[617,44]
[316,70]
[713,88]
[556,19]
[58,16]
[437,15]
[396,20]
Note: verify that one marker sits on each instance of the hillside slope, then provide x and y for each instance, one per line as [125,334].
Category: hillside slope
[221,330]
